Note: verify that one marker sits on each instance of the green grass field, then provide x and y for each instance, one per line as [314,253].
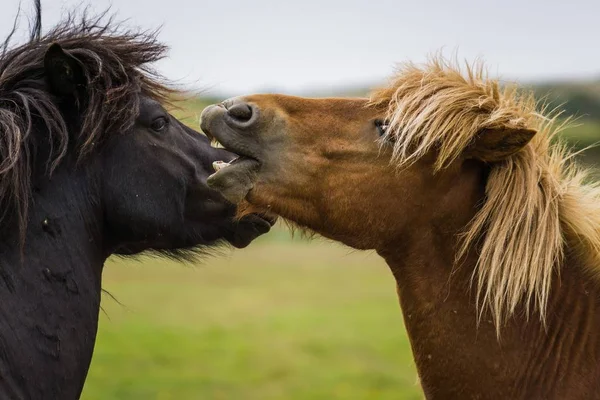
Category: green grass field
[282,319]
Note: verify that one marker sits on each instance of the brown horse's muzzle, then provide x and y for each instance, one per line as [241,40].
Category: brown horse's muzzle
[234,124]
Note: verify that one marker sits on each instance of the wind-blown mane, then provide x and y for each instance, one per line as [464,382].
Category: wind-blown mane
[114,62]
[538,203]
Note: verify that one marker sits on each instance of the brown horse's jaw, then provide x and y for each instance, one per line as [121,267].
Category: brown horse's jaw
[236,180]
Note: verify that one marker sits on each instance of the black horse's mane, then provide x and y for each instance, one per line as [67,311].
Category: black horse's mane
[115,63]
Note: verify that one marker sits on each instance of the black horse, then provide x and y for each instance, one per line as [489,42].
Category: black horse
[91,165]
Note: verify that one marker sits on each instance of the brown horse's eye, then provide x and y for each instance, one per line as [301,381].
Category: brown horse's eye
[159,124]
[381,127]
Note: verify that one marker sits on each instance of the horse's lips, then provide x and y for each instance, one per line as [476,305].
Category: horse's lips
[236,180]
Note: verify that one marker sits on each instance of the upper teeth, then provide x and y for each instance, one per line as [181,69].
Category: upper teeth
[218,165]
[216,144]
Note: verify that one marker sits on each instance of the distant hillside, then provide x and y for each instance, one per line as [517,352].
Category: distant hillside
[579,99]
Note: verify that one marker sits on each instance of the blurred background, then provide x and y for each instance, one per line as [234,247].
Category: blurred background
[289,318]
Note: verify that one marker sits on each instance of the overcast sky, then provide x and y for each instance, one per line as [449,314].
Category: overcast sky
[236,46]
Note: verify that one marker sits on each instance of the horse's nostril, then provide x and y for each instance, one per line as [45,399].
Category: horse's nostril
[241,112]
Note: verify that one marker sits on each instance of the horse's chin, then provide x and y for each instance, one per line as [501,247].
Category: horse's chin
[249,228]
[234,181]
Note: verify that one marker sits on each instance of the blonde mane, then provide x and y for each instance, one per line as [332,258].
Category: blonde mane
[538,202]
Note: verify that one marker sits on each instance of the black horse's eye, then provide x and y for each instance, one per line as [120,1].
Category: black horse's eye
[159,124]
[381,127]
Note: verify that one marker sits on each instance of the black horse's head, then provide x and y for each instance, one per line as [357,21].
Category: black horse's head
[154,188]
[83,98]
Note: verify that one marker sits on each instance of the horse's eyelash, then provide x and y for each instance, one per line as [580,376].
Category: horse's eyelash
[382,127]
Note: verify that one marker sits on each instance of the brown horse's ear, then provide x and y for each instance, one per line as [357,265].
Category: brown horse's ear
[63,71]
[496,144]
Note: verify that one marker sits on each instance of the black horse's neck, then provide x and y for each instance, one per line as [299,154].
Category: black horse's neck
[50,290]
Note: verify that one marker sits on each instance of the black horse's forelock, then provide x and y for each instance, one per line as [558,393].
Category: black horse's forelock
[116,65]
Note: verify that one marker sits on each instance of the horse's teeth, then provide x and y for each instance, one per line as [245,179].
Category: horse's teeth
[216,144]
[219,165]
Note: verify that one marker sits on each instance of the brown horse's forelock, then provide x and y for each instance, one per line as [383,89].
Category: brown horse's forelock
[115,63]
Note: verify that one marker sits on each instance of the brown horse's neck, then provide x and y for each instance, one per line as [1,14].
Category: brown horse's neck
[457,358]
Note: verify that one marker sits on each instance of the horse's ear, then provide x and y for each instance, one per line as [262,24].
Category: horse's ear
[63,71]
[496,144]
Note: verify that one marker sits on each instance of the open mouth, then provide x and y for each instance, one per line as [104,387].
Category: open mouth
[219,165]
[239,164]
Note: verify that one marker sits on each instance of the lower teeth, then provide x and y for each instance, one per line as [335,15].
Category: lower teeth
[218,165]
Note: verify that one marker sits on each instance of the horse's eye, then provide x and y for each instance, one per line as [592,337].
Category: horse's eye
[159,124]
[381,127]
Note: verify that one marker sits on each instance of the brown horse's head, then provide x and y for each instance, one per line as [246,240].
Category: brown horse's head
[315,162]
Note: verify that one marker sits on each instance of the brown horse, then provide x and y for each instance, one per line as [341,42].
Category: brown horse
[490,230]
